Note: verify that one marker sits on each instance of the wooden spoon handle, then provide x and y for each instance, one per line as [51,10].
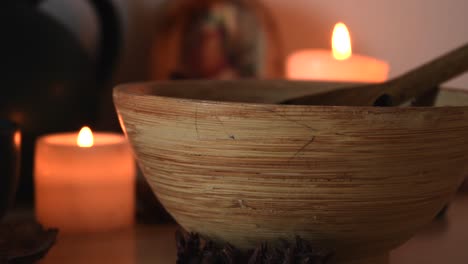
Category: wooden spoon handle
[427,76]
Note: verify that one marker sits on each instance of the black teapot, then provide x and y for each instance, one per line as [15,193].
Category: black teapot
[10,142]
[49,83]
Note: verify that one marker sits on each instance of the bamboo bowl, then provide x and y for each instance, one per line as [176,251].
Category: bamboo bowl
[230,165]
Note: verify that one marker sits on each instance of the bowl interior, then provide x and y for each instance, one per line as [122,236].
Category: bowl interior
[260,91]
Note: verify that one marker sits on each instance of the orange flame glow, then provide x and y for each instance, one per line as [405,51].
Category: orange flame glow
[85,138]
[17,139]
[341,42]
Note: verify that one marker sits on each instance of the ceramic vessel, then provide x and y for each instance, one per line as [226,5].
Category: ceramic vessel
[50,82]
[229,164]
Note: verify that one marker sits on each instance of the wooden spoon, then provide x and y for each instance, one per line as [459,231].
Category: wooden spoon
[396,91]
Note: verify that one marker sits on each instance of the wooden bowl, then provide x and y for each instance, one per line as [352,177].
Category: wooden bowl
[227,164]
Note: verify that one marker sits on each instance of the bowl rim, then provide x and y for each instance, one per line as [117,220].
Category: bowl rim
[130,89]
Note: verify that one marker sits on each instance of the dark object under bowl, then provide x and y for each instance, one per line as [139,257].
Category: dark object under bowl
[193,249]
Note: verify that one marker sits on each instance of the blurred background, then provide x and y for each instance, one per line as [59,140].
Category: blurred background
[405,33]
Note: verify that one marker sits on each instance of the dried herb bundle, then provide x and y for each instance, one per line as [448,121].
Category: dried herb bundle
[192,249]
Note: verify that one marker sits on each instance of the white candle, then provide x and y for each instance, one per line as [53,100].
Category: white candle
[85,188]
[338,64]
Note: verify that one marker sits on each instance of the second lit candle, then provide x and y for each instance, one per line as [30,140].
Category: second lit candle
[338,64]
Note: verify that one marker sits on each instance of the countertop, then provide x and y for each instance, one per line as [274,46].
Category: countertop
[444,241]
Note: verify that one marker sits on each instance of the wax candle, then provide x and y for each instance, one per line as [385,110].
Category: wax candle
[85,182]
[338,64]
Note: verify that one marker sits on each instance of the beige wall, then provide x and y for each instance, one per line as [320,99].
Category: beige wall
[403,32]
[406,33]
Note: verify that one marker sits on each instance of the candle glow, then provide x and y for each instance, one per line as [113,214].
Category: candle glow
[17,139]
[84,182]
[338,64]
[341,42]
[85,138]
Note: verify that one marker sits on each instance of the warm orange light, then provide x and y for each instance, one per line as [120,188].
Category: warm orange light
[17,139]
[341,42]
[85,138]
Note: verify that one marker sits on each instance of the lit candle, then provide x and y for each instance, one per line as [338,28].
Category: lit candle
[339,64]
[84,182]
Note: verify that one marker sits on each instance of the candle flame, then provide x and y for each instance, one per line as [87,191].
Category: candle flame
[85,138]
[341,42]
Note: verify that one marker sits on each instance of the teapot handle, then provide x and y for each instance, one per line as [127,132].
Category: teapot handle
[110,39]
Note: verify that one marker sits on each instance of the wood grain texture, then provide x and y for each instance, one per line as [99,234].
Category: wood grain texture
[359,179]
